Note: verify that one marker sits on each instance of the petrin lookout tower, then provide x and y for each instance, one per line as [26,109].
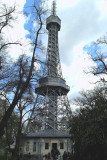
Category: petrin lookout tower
[47,127]
[53,86]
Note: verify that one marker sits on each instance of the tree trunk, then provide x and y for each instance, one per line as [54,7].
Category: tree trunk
[15,154]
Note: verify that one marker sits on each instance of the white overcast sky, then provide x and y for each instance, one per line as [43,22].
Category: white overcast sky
[82,21]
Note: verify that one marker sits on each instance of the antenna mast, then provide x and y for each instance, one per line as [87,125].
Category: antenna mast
[54,8]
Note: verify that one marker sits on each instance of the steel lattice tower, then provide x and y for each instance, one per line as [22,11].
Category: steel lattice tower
[52,88]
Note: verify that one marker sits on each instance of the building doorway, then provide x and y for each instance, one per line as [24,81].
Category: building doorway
[54,152]
[54,146]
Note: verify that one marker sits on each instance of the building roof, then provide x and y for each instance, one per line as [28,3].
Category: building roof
[48,133]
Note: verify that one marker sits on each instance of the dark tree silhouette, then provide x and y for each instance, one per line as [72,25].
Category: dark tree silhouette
[23,77]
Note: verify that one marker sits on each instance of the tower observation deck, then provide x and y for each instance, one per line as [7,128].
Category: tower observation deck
[52,87]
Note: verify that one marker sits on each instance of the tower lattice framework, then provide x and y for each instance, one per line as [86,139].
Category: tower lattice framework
[52,107]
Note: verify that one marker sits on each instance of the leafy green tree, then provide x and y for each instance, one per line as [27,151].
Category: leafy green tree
[10,130]
[88,126]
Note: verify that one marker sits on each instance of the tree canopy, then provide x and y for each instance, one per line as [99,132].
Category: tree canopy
[88,126]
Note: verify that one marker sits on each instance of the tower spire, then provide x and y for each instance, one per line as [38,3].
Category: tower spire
[53,12]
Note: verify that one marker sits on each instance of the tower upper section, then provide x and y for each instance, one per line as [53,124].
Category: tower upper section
[53,79]
[53,25]
[53,18]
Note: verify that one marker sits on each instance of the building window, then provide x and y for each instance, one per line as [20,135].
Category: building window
[34,147]
[27,146]
[61,145]
[46,145]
